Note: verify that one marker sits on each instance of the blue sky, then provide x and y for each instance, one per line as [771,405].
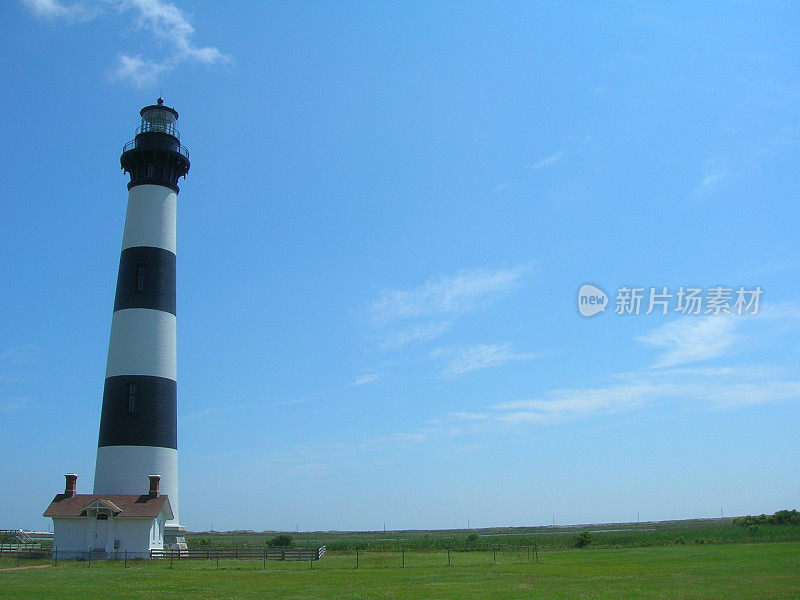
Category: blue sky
[389,213]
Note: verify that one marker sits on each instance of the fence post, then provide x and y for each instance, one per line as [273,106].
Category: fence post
[495,556]
[404,556]
[18,555]
[217,553]
[356,558]
[448,557]
[171,558]
[265,557]
[89,553]
[55,557]
[126,559]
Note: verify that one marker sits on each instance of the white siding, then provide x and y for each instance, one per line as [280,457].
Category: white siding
[70,534]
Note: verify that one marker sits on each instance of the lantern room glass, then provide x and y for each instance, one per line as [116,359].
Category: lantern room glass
[159,120]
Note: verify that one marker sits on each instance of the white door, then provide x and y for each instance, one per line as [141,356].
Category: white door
[100,532]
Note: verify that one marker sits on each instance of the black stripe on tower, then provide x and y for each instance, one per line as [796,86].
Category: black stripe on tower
[139,410]
[146,279]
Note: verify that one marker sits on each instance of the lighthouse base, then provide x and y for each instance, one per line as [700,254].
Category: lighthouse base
[175,537]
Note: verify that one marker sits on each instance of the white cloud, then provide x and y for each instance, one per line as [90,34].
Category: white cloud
[140,72]
[365,379]
[504,187]
[52,9]
[481,356]
[165,22]
[690,339]
[427,311]
[468,416]
[408,437]
[11,405]
[18,356]
[550,160]
[414,333]
[446,295]
[724,388]
[572,403]
[714,172]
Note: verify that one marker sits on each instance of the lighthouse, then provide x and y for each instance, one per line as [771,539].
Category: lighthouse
[138,423]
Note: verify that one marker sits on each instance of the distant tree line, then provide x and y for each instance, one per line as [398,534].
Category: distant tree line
[782,517]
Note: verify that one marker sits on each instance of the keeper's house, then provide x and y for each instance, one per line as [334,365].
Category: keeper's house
[108,525]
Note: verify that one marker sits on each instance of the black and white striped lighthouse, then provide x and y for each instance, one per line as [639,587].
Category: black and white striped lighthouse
[138,424]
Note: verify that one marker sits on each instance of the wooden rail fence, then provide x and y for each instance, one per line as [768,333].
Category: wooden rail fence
[262,552]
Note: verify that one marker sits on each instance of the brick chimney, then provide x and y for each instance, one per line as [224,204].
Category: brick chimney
[154,481]
[69,488]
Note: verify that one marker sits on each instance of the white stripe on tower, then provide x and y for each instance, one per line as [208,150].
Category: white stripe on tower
[138,425]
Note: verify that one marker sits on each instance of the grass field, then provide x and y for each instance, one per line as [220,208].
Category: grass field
[726,571]
[609,535]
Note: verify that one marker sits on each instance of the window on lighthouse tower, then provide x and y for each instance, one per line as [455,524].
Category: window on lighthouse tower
[140,271]
[131,398]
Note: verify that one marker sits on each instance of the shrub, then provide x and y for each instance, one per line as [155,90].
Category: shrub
[583,539]
[782,517]
[281,540]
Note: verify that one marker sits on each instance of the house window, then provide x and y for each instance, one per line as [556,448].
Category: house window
[140,271]
[131,398]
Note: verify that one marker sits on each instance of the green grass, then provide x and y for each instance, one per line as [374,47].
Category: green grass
[614,535]
[707,571]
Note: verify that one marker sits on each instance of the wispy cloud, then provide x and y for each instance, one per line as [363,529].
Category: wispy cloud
[669,380]
[718,389]
[689,340]
[52,9]
[714,172]
[570,403]
[163,20]
[408,437]
[425,312]
[394,338]
[482,356]
[549,161]
[446,295]
[23,355]
[365,379]
[12,405]
[504,187]
[219,412]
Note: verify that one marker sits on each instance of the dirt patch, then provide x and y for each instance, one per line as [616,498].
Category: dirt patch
[23,568]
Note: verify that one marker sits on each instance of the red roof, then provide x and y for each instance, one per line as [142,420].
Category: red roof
[121,505]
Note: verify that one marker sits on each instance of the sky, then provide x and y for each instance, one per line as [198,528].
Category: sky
[390,211]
